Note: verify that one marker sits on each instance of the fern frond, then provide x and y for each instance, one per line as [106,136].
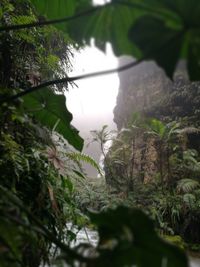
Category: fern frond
[189,200]
[187,185]
[78,157]
[189,130]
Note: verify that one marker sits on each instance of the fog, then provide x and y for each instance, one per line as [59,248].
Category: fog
[93,100]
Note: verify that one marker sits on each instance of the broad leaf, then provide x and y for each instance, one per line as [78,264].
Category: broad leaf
[187,10]
[158,42]
[127,238]
[50,109]
[158,35]
[57,9]
[110,23]
[54,9]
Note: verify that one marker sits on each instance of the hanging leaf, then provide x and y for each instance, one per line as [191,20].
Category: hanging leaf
[127,238]
[57,9]
[158,42]
[54,9]
[187,10]
[49,108]
[108,24]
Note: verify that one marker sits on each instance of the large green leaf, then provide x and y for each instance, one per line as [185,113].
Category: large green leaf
[50,109]
[58,9]
[113,22]
[157,33]
[158,42]
[188,10]
[127,238]
[108,24]
[54,9]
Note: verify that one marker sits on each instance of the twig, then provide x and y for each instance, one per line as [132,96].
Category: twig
[90,75]
[70,79]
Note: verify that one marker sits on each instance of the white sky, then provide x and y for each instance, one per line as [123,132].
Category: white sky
[92,103]
[94,96]
[94,99]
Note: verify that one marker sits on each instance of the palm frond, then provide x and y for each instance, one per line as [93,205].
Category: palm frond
[187,185]
[189,200]
[189,130]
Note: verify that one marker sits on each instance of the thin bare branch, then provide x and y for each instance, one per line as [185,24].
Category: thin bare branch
[89,75]
[70,79]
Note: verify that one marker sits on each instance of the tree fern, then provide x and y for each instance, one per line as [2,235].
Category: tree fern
[189,200]
[187,185]
[189,130]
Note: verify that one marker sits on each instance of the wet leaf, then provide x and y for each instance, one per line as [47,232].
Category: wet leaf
[49,108]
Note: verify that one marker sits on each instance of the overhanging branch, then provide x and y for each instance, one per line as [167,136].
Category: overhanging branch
[89,75]
[70,79]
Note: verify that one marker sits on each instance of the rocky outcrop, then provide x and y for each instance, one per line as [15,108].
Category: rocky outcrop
[146,90]
[140,88]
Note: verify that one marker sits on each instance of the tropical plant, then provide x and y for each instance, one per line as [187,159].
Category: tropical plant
[102,137]
[168,30]
[164,134]
[187,185]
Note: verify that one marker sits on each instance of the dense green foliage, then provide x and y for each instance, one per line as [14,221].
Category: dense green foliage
[171,196]
[27,170]
[175,27]
[37,193]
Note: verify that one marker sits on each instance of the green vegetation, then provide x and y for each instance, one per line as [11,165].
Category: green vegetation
[171,196]
[40,167]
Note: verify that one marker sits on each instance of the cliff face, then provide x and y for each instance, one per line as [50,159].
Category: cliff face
[140,88]
[146,90]
[154,162]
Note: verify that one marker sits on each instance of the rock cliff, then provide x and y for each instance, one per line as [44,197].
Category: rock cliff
[147,91]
